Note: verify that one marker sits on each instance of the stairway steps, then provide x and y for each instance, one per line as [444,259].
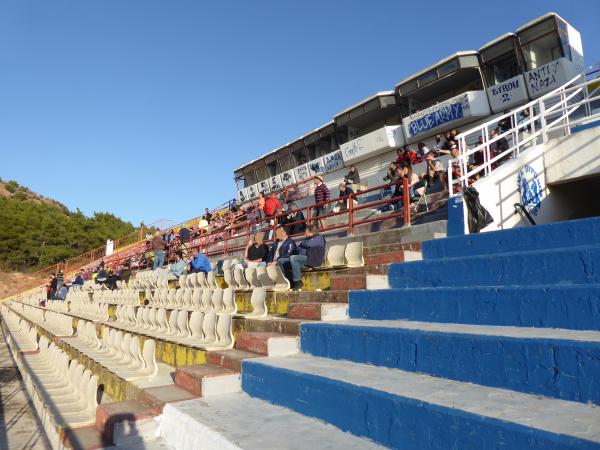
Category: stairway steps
[318,311]
[541,237]
[569,306]
[270,344]
[552,362]
[414,411]
[237,421]
[572,265]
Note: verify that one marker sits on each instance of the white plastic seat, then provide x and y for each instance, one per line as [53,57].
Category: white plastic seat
[187,298]
[182,280]
[335,256]
[240,279]
[217,300]
[252,277]
[263,277]
[224,333]
[229,278]
[201,280]
[354,254]
[211,280]
[195,327]
[197,298]
[206,300]
[276,274]
[229,304]
[150,368]
[258,299]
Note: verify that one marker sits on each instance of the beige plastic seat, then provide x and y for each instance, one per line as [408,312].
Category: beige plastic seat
[258,299]
[252,277]
[195,326]
[187,298]
[190,280]
[182,280]
[224,333]
[263,277]
[335,256]
[240,279]
[173,330]
[229,278]
[217,300]
[276,274]
[150,368]
[354,254]
[171,298]
[197,298]
[201,280]
[179,298]
[229,304]
[209,329]
[206,305]
[182,325]
[211,280]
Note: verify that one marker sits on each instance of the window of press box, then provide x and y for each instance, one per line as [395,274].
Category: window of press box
[542,51]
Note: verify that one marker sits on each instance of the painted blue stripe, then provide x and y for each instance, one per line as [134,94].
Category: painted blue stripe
[541,237]
[572,307]
[569,370]
[392,420]
[577,265]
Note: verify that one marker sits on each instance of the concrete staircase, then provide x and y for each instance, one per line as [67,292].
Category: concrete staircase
[492,341]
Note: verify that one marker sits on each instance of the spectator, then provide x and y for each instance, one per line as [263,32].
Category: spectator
[178,267]
[455,169]
[59,279]
[78,281]
[353,177]
[478,156]
[345,192]
[170,236]
[101,276]
[261,204]
[505,124]
[435,170]
[322,196]
[256,252]
[53,285]
[406,155]
[49,289]
[423,150]
[282,248]
[271,204]
[523,117]
[295,220]
[199,262]
[311,253]
[207,216]
[499,146]
[184,236]
[62,292]
[158,248]
[438,147]
[233,206]
[174,247]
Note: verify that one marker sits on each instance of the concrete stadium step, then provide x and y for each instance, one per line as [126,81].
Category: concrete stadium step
[413,411]
[279,302]
[269,344]
[205,380]
[571,307]
[566,265]
[273,324]
[546,361]
[237,421]
[230,359]
[541,237]
[318,311]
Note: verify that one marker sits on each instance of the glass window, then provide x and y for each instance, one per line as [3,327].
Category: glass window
[427,78]
[286,163]
[542,51]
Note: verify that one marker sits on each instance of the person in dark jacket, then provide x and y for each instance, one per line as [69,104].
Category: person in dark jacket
[353,177]
[499,146]
[311,253]
[78,281]
[282,248]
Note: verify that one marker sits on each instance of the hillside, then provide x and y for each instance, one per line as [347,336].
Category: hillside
[36,231]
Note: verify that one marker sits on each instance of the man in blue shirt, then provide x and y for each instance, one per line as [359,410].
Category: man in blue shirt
[199,263]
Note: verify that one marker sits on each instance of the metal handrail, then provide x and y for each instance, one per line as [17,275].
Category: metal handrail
[542,119]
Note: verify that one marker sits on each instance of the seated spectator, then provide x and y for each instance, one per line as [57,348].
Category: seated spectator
[523,117]
[353,177]
[311,253]
[435,170]
[184,236]
[256,251]
[282,248]
[345,192]
[62,293]
[391,176]
[78,281]
[199,262]
[498,147]
[271,205]
[423,150]
[295,220]
[291,195]
[101,276]
[438,147]
[178,267]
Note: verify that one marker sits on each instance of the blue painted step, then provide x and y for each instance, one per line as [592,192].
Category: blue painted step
[570,233]
[573,307]
[413,411]
[576,265]
[556,363]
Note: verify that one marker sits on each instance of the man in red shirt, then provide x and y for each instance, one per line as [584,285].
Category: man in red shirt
[271,204]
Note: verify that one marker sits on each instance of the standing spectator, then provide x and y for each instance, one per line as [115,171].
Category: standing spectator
[322,196]
[261,204]
[199,262]
[207,215]
[435,170]
[311,253]
[256,252]
[59,279]
[53,285]
[50,286]
[158,248]
[170,236]
[295,220]
[498,147]
[353,177]
[271,204]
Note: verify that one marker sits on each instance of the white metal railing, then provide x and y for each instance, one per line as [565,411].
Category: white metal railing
[557,111]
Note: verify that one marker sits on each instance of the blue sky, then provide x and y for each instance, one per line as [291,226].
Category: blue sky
[144,108]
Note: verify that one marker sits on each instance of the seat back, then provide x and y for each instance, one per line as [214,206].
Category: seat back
[259,302]
[263,277]
[229,304]
[217,300]
[252,277]
[149,356]
[209,325]
[211,281]
[173,330]
[240,279]
[195,324]
[354,254]
[206,300]
[182,324]
[197,298]
[335,256]
[179,298]
[224,331]
[276,274]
